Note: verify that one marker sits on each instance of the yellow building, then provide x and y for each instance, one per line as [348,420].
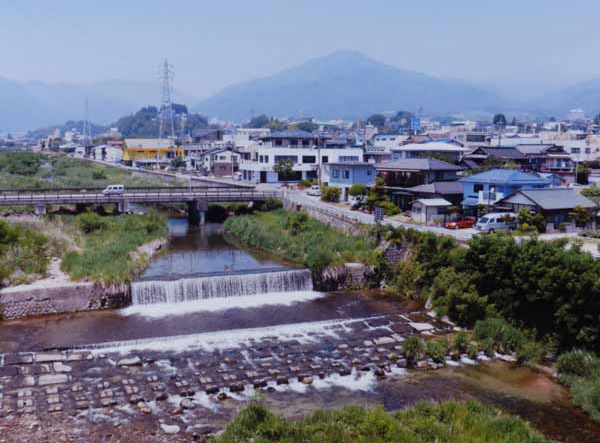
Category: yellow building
[150,152]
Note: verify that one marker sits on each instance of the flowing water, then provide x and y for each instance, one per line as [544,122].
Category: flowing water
[205,292]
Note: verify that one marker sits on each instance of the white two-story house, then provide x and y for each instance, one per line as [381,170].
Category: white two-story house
[306,151]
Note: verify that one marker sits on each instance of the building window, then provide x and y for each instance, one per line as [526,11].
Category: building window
[294,143]
[325,159]
[348,158]
[266,157]
[293,158]
[345,174]
[305,142]
[478,188]
[369,172]
[575,150]
[278,142]
[309,159]
[335,173]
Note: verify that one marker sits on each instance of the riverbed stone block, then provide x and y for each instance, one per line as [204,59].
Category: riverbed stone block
[52,379]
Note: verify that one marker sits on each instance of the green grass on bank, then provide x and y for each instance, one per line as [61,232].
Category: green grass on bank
[24,170]
[580,370]
[296,237]
[426,422]
[107,247]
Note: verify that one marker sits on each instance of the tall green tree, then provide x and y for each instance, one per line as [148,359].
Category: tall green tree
[377,120]
[499,120]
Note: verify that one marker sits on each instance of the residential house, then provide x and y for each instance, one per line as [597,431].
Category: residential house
[345,174]
[546,158]
[400,176]
[450,191]
[219,162]
[306,151]
[555,204]
[489,187]
[495,155]
[416,150]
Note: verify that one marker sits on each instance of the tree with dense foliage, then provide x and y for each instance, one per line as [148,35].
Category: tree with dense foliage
[307,126]
[284,168]
[259,121]
[581,216]
[499,120]
[145,122]
[583,174]
[377,120]
[358,190]
[21,163]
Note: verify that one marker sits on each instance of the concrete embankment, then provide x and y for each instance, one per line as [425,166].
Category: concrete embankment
[59,294]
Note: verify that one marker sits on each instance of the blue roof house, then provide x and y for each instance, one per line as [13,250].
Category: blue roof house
[345,174]
[489,187]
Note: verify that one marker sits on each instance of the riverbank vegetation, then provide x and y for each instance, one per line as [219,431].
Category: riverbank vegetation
[425,422]
[299,238]
[92,247]
[580,370]
[24,170]
[24,254]
[107,250]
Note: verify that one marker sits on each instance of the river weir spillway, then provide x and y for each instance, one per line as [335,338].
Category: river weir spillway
[220,286]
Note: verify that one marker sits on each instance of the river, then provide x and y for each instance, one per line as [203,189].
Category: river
[250,307]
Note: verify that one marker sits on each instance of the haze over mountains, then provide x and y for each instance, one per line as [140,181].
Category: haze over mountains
[345,84]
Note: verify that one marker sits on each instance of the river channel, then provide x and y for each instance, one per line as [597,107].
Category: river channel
[205,298]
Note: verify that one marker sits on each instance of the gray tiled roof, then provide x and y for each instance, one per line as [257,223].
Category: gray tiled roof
[551,198]
[442,188]
[418,164]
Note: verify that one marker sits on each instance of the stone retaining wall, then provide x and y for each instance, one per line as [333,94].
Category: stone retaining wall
[338,221]
[350,276]
[69,297]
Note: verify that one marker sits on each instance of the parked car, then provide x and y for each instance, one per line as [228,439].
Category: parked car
[497,221]
[460,223]
[314,190]
[114,190]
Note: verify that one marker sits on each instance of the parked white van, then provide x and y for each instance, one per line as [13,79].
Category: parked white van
[497,221]
[114,190]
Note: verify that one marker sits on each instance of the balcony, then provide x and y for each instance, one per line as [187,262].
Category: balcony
[489,198]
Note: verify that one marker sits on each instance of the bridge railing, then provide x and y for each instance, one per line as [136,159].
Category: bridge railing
[212,194]
[96,190]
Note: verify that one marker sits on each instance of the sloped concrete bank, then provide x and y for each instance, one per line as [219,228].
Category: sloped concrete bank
[62,298]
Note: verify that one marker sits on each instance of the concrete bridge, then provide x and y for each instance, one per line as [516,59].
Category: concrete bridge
[197,198]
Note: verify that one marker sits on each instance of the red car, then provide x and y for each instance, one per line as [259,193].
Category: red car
[461,223]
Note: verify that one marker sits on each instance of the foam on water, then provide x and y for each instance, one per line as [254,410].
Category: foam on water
[309,332]
[159,310]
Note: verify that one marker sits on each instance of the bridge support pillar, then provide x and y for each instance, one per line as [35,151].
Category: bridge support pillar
[123,207]
[41,209]
[197,212]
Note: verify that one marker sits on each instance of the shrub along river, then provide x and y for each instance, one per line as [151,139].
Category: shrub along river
[205,290]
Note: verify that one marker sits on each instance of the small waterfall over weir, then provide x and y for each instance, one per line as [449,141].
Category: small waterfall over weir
[220,286]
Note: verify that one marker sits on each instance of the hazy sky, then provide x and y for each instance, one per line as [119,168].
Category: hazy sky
[217,43]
